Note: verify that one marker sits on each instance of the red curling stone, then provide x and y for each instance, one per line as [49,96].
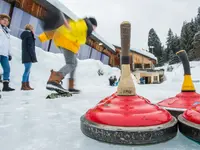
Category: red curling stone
[189,122]
[180,103]
[128,120]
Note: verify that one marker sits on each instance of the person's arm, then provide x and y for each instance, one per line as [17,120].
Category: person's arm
[45,36]
[66,23]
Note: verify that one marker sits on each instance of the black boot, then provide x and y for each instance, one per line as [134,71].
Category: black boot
[6,87]
[74,91]
[0,78]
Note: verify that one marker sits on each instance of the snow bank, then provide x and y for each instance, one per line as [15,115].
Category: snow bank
[86,70]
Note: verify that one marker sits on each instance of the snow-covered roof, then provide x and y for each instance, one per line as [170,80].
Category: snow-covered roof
[144,52]
[70,14]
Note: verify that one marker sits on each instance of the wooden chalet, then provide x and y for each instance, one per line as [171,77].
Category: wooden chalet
[142,65]
[139,59]
[24,12]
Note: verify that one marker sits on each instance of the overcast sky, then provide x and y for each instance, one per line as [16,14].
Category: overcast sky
[143,15]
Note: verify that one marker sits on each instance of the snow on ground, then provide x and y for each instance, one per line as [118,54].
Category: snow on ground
[28,121]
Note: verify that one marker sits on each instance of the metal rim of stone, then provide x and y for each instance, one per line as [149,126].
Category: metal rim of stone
[189,129]
[129,135]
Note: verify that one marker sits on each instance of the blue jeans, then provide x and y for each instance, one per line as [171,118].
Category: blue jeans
[27,70]
[6,67]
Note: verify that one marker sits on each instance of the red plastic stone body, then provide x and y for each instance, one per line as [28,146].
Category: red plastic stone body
[127,111]
[184,100]
[193,114]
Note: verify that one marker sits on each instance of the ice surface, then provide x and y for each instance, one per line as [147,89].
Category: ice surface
[28,121]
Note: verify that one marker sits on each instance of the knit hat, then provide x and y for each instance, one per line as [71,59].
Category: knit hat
[4,16]
[93,21]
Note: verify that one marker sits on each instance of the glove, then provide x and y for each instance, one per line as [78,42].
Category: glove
[9,57]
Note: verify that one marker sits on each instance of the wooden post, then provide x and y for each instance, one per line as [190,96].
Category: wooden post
[49,46]
[12,6]
[126,85]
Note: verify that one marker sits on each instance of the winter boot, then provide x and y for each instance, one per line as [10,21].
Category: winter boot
[71,87]
[54,82]
[28,86]
[0,78]
[6,87]
[24,86]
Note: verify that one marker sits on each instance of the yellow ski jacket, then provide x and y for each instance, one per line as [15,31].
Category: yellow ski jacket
[69,39]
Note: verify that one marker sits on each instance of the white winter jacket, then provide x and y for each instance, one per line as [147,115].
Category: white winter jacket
[4,42]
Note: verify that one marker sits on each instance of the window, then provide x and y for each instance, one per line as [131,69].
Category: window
[4,7]
[95,54]
[138,66]
[105,59]
[147,66]
[84,52]
[155,78]
[18,22]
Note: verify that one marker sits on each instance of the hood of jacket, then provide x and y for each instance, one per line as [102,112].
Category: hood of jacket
[26,34]
[90,27]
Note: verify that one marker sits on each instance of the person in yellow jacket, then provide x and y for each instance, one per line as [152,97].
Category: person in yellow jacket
[68,38]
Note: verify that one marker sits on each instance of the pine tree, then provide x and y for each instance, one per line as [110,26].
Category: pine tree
[165,55]
[176,44]
[187,35]
[153,40]
[173,58]
[170,37]
[170,55]
[173,42]
[196,42]
[161,59]
[198,19]
[196,23]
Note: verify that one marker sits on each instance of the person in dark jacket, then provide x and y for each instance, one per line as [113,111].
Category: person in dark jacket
[28,54]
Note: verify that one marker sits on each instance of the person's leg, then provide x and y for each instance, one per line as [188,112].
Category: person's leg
[25,76]
[71,63]
[6,73]
[1,77]
[27,80]
[28,74]
[56,77]
[6,68]
[71,81]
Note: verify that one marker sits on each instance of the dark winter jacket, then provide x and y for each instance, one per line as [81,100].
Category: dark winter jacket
[28,47]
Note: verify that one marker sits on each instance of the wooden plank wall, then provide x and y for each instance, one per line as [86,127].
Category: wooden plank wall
[135,58]
[30,7]
[102,49]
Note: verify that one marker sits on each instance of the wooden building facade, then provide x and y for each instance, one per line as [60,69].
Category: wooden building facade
[24,12]
[138,59]
[142,66]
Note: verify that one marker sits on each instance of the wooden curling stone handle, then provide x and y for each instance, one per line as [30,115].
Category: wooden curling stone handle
[126,86]
[125,37]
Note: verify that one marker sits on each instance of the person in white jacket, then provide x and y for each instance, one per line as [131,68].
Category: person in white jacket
[5,55]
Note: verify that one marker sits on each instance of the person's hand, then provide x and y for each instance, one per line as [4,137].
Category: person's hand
[9,57]
[67,24]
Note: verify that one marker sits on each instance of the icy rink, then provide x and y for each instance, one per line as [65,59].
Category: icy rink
[28,121]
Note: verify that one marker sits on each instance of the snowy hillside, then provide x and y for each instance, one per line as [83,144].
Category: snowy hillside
[87,69]
[30,122]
